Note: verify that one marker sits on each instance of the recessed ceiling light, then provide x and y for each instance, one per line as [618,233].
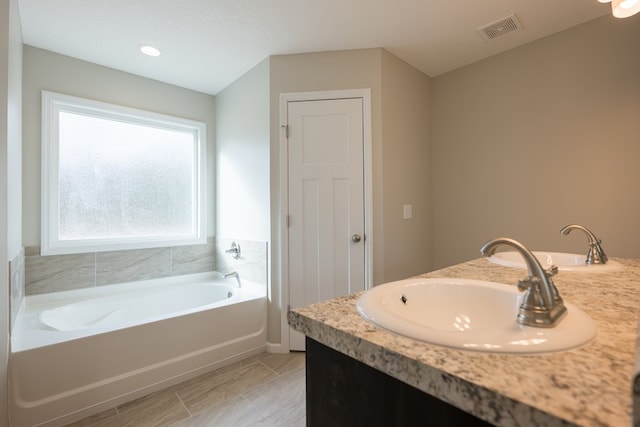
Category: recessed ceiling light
[149,50]
[623,8]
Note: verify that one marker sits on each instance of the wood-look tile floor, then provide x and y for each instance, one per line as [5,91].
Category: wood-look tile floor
[265,390]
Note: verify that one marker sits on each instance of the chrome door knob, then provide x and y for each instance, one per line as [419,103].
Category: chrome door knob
[356,238]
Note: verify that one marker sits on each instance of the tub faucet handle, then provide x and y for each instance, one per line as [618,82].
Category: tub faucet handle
[234,250]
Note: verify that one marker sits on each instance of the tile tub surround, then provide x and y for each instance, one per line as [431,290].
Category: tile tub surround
[252,264]
[17,284]
[65,272]
[587,386]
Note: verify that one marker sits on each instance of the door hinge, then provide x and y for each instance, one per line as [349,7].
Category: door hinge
[288,220]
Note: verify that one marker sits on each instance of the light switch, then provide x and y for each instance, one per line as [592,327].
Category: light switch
[407,214]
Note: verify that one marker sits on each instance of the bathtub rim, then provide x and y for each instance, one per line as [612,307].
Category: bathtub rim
[32,305]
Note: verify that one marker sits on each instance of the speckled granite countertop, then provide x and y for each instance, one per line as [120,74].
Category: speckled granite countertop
[588,386]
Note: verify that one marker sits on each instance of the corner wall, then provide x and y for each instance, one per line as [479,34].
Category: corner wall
[242,177]
[4,275]
[539,137]
[242,157]
[406,168]
[10,152]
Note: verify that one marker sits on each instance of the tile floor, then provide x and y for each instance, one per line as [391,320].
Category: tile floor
[265,390]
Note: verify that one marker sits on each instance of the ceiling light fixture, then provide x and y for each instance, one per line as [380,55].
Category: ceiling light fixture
[149,50]
[623,8]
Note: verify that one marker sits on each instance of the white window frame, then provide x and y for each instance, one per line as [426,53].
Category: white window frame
[54,103]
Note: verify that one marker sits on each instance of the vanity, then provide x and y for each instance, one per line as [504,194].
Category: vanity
[360,373]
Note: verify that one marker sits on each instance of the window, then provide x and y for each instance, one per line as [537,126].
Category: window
[119,178]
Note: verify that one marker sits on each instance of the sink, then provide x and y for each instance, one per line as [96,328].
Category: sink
[564,261]
[469,314]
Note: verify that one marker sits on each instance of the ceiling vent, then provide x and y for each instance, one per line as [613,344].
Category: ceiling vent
[500,28]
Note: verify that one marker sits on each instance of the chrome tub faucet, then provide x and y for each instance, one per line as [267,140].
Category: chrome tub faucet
[596,254]
[234,250]
[541,306]
[233,274]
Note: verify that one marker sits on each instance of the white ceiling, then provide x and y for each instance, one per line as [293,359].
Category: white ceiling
[207,44]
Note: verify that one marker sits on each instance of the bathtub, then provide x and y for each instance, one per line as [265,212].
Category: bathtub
[75,353]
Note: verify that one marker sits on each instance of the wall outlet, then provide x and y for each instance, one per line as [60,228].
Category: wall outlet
[407,214]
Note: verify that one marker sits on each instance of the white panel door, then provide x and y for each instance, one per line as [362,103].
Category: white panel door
[326,202]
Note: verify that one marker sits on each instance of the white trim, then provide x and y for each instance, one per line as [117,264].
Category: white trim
[52,105]
[285,98]
[276,348]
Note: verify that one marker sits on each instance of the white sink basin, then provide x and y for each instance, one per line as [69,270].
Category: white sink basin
[469,314]
[564,262]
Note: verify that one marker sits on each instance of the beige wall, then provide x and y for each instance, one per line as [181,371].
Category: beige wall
[242,157]
[10,153]
[539,137]
[14,154]
[406,169]
[10,118]
[4,274]
[44,70]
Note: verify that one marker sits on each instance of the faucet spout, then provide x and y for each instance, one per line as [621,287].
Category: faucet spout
[596,254]
[541,304]
[232,275]
[533,265]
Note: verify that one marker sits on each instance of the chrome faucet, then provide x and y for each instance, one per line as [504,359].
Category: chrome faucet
[233,274]
[541,304]
[234,250]
[596,254]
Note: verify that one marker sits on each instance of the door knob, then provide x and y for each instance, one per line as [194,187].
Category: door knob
[356,238]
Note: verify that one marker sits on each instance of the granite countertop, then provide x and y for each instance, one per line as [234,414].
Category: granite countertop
[588,386]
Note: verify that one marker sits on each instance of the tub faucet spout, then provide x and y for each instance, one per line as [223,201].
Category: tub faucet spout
[541,304]
[233,274]
[596,254]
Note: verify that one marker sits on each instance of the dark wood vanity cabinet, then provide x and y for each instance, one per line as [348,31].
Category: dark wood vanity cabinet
[342,391]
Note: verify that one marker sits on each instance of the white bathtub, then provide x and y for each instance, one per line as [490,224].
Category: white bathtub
[78,352]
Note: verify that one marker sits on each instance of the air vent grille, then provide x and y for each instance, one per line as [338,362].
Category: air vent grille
[500,28]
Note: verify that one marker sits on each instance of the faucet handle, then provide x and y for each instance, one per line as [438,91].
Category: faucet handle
[551,271]
[596,254]
[234,250]
[524,284]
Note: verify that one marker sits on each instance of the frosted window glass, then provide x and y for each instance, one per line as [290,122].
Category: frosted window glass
[118,178]
[121,179]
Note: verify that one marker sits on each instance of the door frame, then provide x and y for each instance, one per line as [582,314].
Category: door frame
[285,98]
